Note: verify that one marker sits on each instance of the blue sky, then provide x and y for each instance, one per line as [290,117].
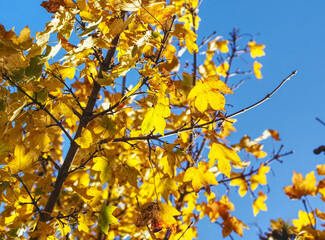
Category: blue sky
[293,33]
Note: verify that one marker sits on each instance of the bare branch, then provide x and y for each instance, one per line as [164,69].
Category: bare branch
[183,129]
[319,120]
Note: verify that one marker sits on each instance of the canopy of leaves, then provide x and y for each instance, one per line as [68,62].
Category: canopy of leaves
[104,127]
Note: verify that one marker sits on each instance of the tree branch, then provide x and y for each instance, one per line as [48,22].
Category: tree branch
[29,194]
[183,129]
[85,119]
[41,107]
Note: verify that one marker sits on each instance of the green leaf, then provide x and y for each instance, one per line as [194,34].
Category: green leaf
[106,218]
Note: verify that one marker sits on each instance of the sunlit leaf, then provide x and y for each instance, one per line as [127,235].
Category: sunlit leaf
[301,187]
[106,218]
[225,156]
[259,204]
[86,139]
[256,50]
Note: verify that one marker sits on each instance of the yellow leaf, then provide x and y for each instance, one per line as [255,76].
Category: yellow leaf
[321,169]
[256,49]
[305,219]
[260,177]
[207,92]
[250,146]
[225,156]
[257,66]
[127,173]
[259,204]
[155,117]
[84,221]
[165,186]
[86,139]
[128,94]
[208,68]
[102,165]
[67,72]
[199,176]
[222,45]
[188,35]
[159,214]
[22,162]
[223,68]
[168,210]
[241,182]
[64,227]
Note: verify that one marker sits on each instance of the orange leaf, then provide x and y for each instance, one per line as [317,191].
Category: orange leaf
[301,187]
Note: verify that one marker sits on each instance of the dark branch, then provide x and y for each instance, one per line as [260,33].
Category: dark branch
[41,107]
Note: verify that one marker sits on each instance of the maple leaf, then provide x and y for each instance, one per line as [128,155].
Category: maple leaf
[161,215]
[250,146]
[305,219]
[125,173]
[208,69]
[222,45]
[165,185]
[106,218]
[199,176]
[86,139]
[188,35]
[225,156]
[53,6]
[84,221]
[155,117]
[23,161]
[260,177]
[321,169]
[256,50]
[301,187]
[207,92]
[102,164]
[259,204]
[256,67]
[232,224]
[10,43]
[223,68]
[64,227]
[238,180]
[268,133]
[214,209]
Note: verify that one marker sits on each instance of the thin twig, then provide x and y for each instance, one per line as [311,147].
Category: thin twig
[252,171]
[30,195]
[205,40]
[84,163]
[41,107]
[319,120]
[188,227]
[233,52]
[215,120]
[305,206]
[68,88]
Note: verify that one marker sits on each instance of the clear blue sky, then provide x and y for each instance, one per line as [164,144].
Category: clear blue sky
[293,32]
